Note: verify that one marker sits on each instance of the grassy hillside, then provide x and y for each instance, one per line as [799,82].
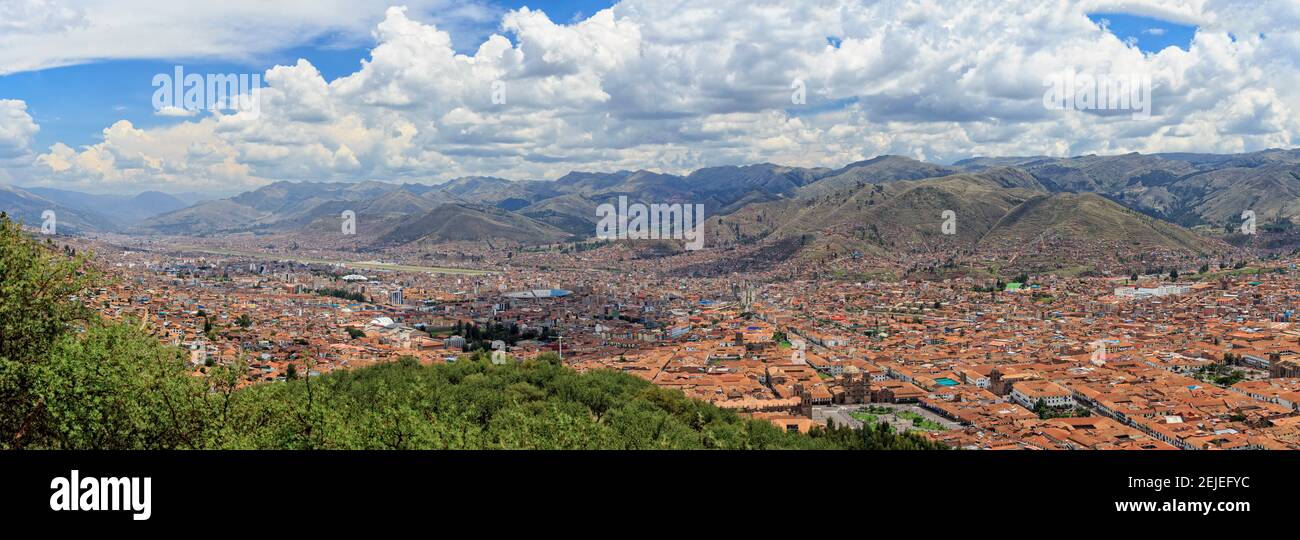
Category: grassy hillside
[994,209]
[465,222]
[1085,215]
[899,215]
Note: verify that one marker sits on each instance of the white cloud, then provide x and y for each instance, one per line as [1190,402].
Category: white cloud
[39,16]
[174,111]
[16,131]
[38,34]
[672,86]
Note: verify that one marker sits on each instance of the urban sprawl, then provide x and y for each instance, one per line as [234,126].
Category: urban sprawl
[1203,361]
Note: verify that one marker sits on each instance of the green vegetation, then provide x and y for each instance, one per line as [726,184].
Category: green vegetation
[1045,412]
[919,422]
[864,417]
[537,404]
[1221,374]
[35,282]
[480,338]
[779,337]
[342,293]
[872,415]
[70,380]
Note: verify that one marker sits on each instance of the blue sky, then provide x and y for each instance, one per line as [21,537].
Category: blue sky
[74,104]
[1150,35]
[667,85]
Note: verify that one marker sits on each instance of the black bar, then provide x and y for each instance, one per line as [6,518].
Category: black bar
[319,490]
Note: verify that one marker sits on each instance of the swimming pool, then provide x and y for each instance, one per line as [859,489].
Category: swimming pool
[944,381]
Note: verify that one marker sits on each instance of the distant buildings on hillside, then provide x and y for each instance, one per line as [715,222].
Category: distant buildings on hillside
[1148,292]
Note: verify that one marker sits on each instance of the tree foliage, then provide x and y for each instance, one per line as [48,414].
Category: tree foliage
[36,286]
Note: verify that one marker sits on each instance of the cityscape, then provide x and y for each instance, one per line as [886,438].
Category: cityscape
[1202,360]
[640,224]
[952,264]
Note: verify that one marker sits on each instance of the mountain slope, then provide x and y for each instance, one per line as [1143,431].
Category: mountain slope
[572,213]
[472,223]
[28,207]
[996,211]
[885,203]
[1091,218]
[872,171]
[204,218]
[121,210]
[1185,188]
[889,215]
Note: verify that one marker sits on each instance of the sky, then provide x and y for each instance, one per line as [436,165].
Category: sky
[430,90]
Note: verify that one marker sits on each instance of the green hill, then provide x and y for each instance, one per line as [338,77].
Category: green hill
[996,209]
[1090,216]
[883,218]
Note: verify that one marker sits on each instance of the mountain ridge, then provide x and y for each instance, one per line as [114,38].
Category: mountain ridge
[883,204]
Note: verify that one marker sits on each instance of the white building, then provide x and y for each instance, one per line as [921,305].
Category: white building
[1028,394]
[1148,292]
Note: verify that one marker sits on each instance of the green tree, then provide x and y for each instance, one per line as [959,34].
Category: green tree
[36,282]
[113,386]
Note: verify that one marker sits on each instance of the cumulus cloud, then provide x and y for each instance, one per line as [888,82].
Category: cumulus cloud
[16,130]
[673,86]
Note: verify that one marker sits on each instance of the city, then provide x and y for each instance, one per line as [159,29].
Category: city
[949,265]
[1202,361]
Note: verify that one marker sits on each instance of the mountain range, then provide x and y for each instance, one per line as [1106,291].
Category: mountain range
[86,212]
[887,204]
